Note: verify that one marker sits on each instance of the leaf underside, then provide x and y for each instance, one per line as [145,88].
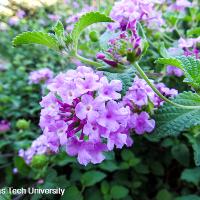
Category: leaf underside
[189,65]
[36,37]
[87,20]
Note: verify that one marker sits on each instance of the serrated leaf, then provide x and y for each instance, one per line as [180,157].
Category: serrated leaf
[170,61]
[85,21]
[92,177]
[35,37]
[126,78]
[189,65]
[59,29]
[171,120]
[195,141]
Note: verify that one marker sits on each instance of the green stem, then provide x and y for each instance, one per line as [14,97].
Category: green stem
[88,61]
[144,76]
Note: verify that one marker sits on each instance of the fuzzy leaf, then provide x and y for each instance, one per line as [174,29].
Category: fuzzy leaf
[171,120]
[126,78]
[59,29]
[36,37]
[85,21]
[189,65]
[170,61]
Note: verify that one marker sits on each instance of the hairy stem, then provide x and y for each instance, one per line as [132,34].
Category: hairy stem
[88,61]
[144,76]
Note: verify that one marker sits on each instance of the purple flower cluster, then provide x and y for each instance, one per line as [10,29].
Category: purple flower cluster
[54,17]
[125,11]
[84,113]
[13,21]
[126,47]
[180,5]
[171,70]
[4,126]
[187,47]
[41,75]
[81,112]
[140,94]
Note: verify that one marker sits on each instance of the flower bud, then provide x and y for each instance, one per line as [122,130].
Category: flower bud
[22,124]
[94,36]
[39,161]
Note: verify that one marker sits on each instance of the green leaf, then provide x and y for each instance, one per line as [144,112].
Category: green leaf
[105,187]
[126,77]
[119,192]
[189,65]
[193,32]
[59,29]
[22,167]
[195,141]
[181,153]
[164,195]
[36,37]
[39,161]
[92,177]
[191,175]
[188,197]
[72,193]
[85,21]
[170,61]
[109,166]
[163,50]
[171,120]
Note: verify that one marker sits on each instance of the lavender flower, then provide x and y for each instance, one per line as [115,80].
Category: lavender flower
[54,17]
[180,5]
[129,10]
[139,94]
[123,49]
[189,46]
[80,113]
[13,21]
[20,14]
[41,75]
[171,70]
[4,126]
[141,123]
[83,112]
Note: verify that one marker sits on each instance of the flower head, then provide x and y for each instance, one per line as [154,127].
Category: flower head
[81,113]
[125,11]
[41,75]
[4,126]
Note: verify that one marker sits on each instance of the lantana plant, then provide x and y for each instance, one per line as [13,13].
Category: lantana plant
[94,108]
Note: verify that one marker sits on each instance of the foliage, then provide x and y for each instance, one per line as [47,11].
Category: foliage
[157,166]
